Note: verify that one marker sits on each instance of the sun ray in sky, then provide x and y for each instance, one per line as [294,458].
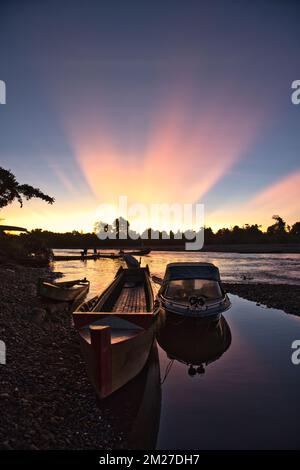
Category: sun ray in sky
[182,156]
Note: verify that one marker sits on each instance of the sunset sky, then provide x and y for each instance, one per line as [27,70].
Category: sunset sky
[161,101]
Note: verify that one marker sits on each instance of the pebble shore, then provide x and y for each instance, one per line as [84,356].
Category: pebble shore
[46,400]
[284,297]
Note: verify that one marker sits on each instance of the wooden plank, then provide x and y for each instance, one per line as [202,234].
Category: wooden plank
[131,299]
[102,359]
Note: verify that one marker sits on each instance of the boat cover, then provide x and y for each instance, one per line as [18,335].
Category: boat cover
[175,271]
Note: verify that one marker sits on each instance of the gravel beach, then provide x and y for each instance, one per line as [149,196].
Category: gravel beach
[284,297]
[46,400]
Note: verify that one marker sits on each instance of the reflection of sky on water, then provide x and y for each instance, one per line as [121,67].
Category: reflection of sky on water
[275,268]
[246,399]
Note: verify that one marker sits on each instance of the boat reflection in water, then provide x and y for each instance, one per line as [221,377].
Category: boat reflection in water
[194,342]
[136,407]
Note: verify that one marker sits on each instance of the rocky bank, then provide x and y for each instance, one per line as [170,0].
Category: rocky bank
[46,400]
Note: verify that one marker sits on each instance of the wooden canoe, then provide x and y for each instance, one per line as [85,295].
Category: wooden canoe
[74,257]
[116,330]
[86,257]
[109,255]
[67,291]
[130,261]
[142,252]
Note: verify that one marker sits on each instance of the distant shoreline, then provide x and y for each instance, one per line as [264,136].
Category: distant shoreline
[286,248]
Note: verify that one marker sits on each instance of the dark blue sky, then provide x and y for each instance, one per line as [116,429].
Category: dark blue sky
[96,88]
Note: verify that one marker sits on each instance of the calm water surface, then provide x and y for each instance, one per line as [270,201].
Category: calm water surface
[247,398]
[242,391]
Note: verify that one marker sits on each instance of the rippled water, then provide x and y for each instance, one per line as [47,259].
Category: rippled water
[228,385]
[269,268]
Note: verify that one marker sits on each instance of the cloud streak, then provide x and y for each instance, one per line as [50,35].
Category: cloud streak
[281,197]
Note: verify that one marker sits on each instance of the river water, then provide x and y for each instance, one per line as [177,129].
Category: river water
[234,267]
[227,385]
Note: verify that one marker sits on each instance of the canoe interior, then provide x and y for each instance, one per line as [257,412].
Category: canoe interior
[130,296]
[131,289]
[116,330]
[131,299]
[120,329]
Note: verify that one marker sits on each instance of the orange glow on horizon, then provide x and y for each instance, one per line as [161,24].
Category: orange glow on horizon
[281,197]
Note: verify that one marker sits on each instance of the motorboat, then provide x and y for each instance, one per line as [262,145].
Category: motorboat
[192,290]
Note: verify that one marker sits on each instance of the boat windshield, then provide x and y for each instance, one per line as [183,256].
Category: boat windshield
[182,289]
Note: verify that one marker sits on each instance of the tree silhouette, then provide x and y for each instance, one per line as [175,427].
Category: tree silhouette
[295,230]
[10,190]
[278,227]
